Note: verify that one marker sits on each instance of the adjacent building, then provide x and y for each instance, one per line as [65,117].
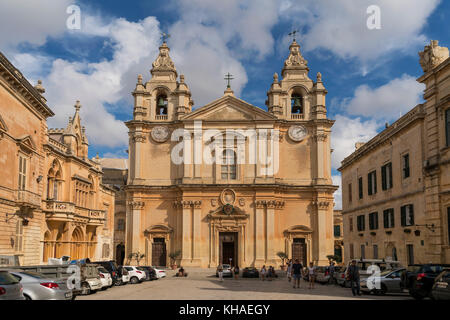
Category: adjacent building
[396,187]
[269,190]
[338,235]
[52,201]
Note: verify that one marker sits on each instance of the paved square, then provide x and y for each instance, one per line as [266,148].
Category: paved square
[201,284]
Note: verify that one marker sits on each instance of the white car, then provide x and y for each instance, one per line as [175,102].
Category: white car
[135,274]
[159,273]
[105,278]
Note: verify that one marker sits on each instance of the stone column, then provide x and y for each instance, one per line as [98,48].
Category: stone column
[270,231]
[197,234]
[186,241]
[323,233]
[260,248]
[134,227]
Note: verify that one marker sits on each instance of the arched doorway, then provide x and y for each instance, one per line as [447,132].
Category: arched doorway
[77,245]
[48,247]
[120,253]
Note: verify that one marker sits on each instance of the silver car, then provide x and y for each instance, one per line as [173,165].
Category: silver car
[38,287]
[10,287]
[389,282]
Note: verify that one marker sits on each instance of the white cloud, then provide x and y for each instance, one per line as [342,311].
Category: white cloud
[340,26]
[31,21]
[387,101]
[345,133]
[338,194]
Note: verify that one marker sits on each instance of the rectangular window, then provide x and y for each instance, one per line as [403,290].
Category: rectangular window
[373,221]
[407,215]
[361,222]
[386,176]
[352,251]
[22,172]
[350,224]
[349,192]
[447,126]
[337,231]
[120,225]
[363,251]
[18,242]
[375,251]
[410,253]
[405,165]
[360,187]
[388,218]
[372,182]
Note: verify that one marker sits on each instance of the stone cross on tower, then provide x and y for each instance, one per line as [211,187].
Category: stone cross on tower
[164,36]
[77,105]
[292,34]
[228,77]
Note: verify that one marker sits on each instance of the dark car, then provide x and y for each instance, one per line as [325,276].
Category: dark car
[441,287]
[150,273]
[113,269]
[419,279]
[250,272]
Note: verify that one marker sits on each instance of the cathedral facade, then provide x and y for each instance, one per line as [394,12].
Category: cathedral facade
[229,182]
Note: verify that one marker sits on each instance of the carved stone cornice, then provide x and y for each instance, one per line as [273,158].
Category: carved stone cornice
[321,205]
[320,137]
[186,204]
[270,204]
[136,205]
[139,137]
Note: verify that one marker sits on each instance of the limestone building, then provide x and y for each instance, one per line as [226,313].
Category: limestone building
[268,190]
[52,202]
[396,187]
[338,235]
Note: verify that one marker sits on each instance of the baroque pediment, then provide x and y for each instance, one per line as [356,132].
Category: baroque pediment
[228,212]
[26,143]
[229,108]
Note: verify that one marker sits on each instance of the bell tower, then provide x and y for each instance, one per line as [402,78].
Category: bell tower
[162,98]
[296,97]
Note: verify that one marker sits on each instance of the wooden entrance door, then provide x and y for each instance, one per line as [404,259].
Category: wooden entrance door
[228,248]
[299,250]
[159,252]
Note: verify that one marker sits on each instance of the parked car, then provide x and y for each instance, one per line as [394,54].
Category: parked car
[38,287]
[441,287]
[90,279]
[113,270]
[150,273]
[136,275]
[125,275]
[390,282]
[105,278]
[10,287]
[250,272]
[160,273]
[363,265]
[323,274]
[419,279]
[227,272]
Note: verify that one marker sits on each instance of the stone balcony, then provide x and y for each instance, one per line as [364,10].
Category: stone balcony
[161,117]
[28,199]
[297,116]
[68,211]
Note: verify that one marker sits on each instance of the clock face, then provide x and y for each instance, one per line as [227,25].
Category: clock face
[297,133]
[160,133]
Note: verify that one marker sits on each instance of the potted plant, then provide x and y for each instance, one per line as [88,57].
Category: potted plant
[137,256]
[283,256]
[173,257]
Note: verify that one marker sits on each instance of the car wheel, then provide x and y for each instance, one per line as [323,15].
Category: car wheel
[134,280]
[27,297]
[85,289]
[118,282]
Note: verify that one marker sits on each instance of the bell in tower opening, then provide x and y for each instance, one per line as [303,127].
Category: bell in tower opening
[296,104]
[161,107]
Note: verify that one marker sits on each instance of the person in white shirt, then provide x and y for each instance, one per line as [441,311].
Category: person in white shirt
[263,272]
[289,270]
[311,274]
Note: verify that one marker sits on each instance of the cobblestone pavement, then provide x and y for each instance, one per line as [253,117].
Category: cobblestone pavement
[201,284]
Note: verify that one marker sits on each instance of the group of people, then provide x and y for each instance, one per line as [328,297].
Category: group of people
[235,271]
[268,273]
[296,271]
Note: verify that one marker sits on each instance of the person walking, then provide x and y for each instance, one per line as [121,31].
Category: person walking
[331,270]
[289,270]
[311,275]
[297,268]
[353,276]
[263,272]
[220,272]
[236,272]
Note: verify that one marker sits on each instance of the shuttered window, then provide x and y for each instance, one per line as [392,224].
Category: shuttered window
[18,243]
[407,215]
[405,166]
[22,172]
[372,183]
[386,176]
[361,223]
[373,221]
[388,218]
[360,187]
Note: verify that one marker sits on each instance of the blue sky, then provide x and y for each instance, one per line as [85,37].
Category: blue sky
[369,74]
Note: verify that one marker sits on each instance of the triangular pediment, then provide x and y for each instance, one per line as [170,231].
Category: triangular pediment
[26,143]
[229,108]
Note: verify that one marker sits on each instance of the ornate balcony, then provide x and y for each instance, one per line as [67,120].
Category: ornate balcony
[28,199]
[59,210]
[298,116]
[96,217]
[161,117]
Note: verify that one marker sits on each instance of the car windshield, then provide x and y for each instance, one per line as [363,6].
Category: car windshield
[129,268]
[225,266]
[7,278]
[102,270]
[33,274]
